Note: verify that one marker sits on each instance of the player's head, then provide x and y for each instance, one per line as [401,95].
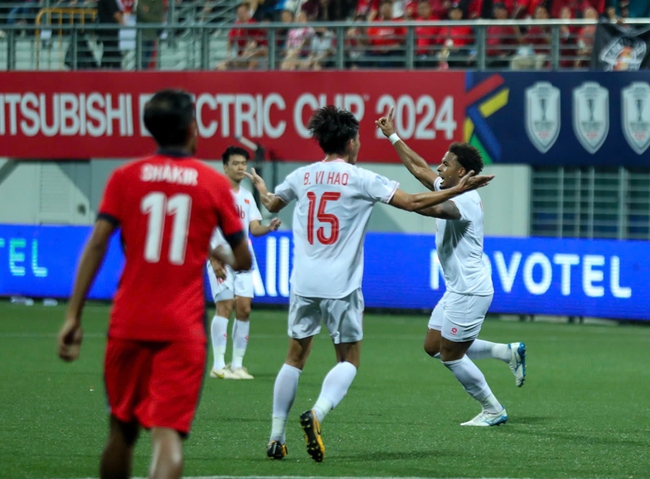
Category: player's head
[337,132]
[169,117]
[235,163]
[457,162]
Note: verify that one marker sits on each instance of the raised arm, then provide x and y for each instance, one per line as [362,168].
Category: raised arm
[423,203]
[270,201]
[413,162]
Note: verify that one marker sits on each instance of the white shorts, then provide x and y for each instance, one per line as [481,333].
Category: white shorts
[343,317]
[459,317]
[235,284]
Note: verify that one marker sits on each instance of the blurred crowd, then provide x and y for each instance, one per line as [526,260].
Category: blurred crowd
[311,46]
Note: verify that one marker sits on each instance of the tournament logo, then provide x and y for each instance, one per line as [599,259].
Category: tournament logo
[623,53]
[543,115]
[591,115]
[636,116]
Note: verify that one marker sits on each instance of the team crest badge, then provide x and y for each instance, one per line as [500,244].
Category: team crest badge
[543,115]
[591,115]
[623,54]
[636,116]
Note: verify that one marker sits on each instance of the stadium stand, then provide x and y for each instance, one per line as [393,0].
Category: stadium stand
[299,34]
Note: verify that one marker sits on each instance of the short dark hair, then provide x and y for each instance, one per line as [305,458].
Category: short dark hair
[168,117]
[333,129]
[234,150]
[467,156]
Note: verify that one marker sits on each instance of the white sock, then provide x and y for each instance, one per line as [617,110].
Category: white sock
[219,331]
[335,387]
[284,392]
[240,330]
[474,383]
[486,350]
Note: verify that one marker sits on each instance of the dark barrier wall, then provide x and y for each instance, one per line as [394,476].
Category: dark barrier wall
[606,279]
[540,118]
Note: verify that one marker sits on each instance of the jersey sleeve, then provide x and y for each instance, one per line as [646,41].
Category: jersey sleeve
[466,205]
[286,190]
[436,184]
[111,205]
[229,221]
[377,187]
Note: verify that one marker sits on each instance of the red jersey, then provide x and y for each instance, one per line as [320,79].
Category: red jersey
[241,36]
[500,40]
[426,37]
[385,35]
[460,35]
[167,209]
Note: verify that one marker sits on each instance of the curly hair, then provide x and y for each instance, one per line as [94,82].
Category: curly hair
[467,156]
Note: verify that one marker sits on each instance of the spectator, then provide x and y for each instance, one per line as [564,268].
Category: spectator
[526,8]
[354,44]
[439,8]
[500,39]
[586,38]
[322,49]
[425,36]
[537,40]
[242,42]
[312,9]
[369,9]
[149,11]
[282,34]
[568,37]
[298,40]
[636,9]
[109,12]
[455,41]
[385,40]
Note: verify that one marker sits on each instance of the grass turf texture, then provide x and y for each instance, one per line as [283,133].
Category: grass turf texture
[582,413]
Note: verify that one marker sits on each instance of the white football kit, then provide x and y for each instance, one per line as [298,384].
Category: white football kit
[461,311]
[235,284]
[334,203]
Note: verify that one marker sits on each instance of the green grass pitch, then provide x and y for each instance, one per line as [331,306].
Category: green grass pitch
[583,413]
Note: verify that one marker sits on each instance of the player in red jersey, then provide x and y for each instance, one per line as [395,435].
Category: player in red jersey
[167,207]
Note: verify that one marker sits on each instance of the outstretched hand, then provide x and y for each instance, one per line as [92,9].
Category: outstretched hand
[385,123]
[257,180]
[471,182]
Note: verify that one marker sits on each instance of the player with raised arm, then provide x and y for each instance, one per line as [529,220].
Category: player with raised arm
[235,291]
[456,321]
[167,206]
[334,200]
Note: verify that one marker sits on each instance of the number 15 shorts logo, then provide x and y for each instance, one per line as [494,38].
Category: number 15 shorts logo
[591,115]
[542,115]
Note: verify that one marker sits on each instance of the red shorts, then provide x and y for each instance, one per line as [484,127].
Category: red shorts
[155,383]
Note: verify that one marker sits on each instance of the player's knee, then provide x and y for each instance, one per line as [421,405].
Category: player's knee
[431,349]
[244,314]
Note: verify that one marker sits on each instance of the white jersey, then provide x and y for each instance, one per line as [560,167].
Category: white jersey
[247,210]
[460,247]
[334,203]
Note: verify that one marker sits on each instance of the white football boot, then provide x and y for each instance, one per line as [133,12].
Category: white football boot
[241,373]
[223,373]
[487,419]
[517,362]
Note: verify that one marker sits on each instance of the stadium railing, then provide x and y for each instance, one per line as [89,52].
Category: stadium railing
[197,45]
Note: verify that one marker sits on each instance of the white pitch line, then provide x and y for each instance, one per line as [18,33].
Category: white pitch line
[305,477]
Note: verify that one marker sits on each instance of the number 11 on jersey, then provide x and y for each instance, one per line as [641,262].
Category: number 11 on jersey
[156,205]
